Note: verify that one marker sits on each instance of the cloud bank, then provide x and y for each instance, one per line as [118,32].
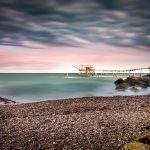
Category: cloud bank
[75,23]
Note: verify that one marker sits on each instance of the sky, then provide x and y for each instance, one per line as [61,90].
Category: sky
[53,35]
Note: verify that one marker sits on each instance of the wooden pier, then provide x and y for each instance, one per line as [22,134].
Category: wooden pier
[90,70]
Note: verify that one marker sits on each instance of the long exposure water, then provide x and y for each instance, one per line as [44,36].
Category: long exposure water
[30,87]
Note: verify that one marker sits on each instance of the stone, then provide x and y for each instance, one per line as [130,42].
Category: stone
[136,146]
[133,81]
[4,101]
[122,87]
[147,127]
[119,81]
[145,139]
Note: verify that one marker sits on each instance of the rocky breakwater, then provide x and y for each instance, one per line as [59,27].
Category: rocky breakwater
[133,82]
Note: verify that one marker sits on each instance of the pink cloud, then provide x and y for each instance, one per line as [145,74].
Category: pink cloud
[61,59]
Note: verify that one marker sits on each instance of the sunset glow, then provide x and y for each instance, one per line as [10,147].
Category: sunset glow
[51,36]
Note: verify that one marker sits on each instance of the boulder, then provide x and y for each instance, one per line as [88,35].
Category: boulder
[136,146]
[142,143]
[147,75]
[145,139]
[133,81]
[122,87]
[119,81]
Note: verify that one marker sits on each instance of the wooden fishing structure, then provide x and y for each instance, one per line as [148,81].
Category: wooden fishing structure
[86,69]
[90,70]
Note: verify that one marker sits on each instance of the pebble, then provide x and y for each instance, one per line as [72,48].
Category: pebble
[105,123]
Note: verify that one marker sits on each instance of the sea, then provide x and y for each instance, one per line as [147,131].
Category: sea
[34,87]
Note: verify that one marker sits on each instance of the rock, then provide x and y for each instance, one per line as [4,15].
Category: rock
[136,146]
[119,81]
[145,139]
[134,89]
[143,143]
[147,127]
[143,84]
[133,82]
[122,87]
[147,75]
[4,101]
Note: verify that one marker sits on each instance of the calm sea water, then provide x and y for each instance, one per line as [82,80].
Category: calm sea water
[38,87]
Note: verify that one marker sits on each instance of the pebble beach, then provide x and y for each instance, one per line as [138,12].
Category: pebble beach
[88,123]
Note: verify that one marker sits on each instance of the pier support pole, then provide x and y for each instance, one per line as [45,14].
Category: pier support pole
[140,72]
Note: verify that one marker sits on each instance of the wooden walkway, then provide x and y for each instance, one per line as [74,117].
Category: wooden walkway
[128,70]
[90,70]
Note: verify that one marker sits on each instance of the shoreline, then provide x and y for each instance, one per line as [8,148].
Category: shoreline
[5,101]
[8,101]
[78,123]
